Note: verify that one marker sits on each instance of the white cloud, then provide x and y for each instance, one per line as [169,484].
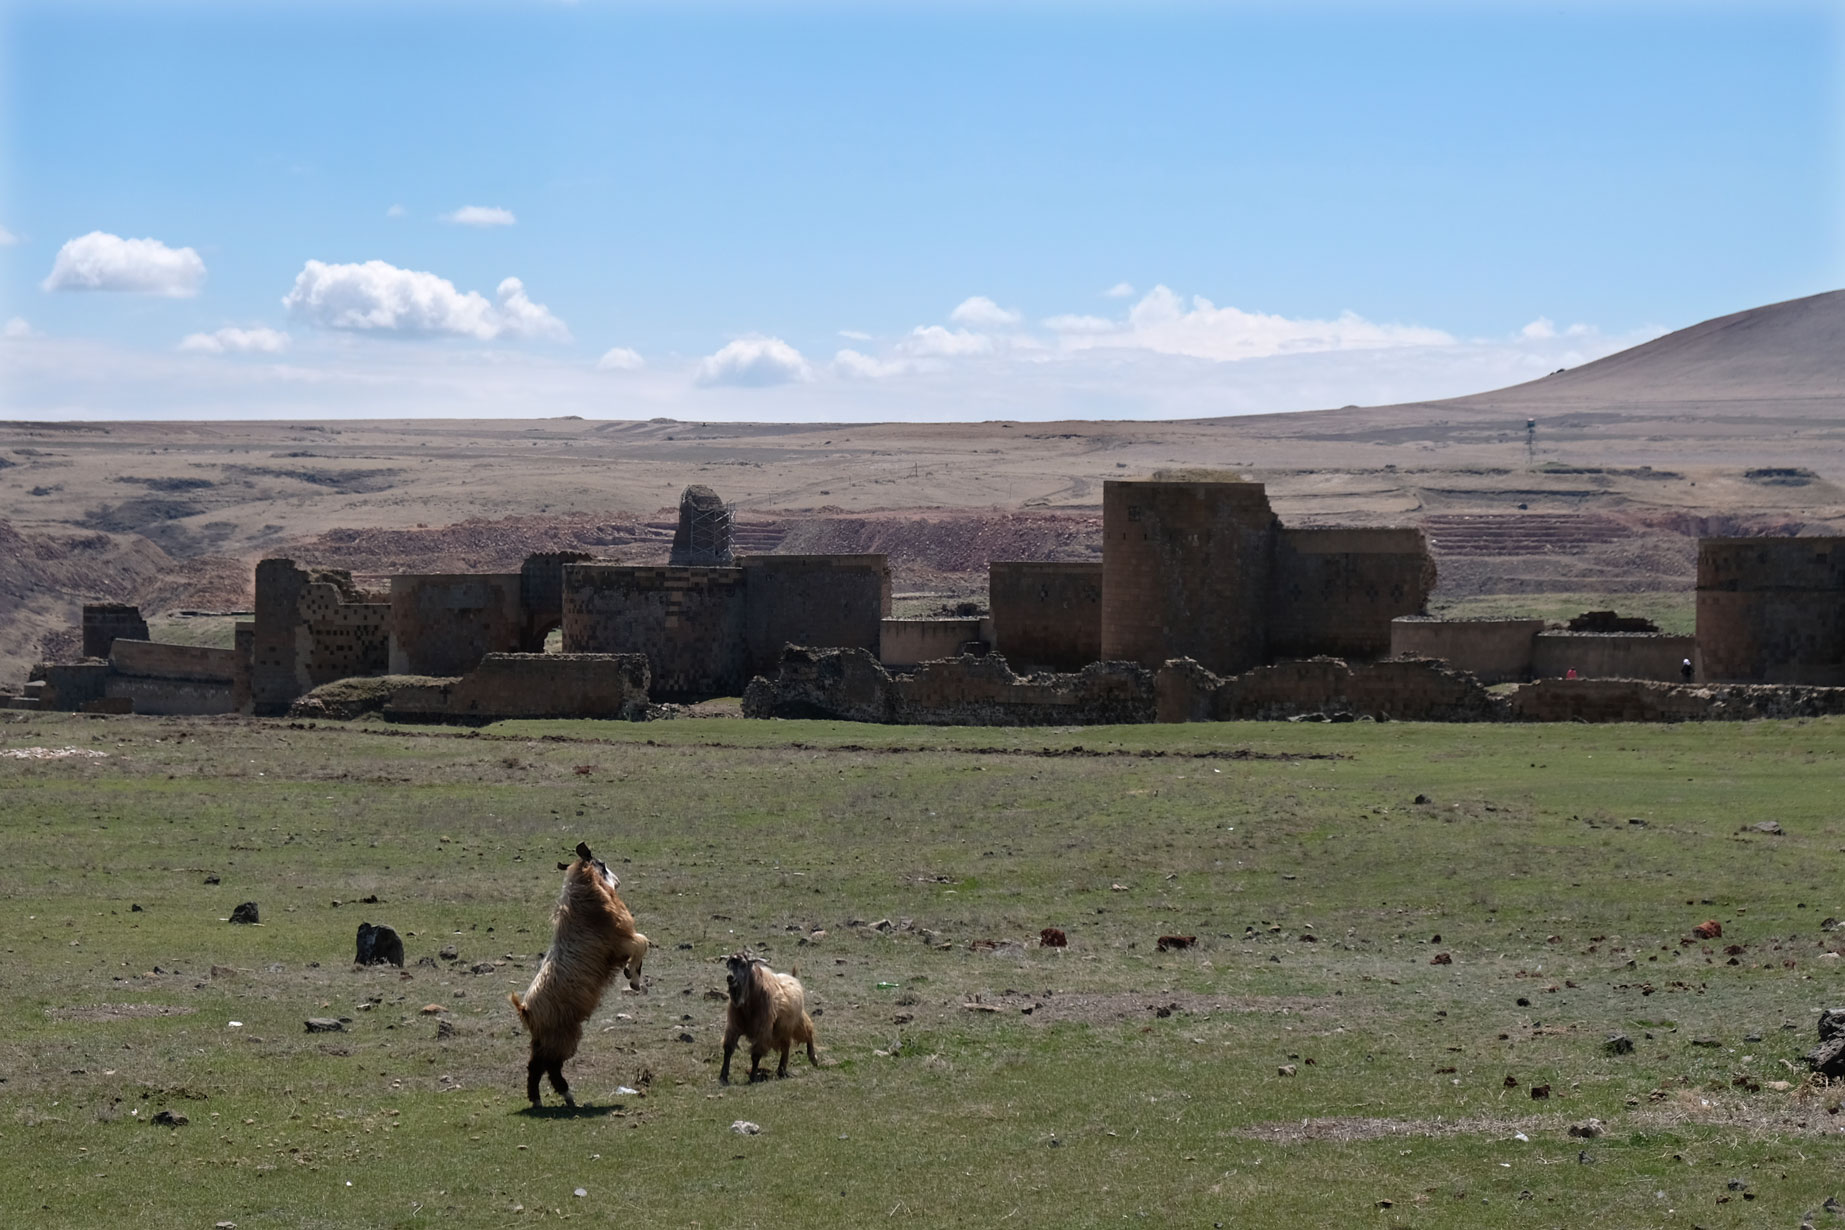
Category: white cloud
[232,340]
[936,341]
[754,362]
[620,359]
[395,211]
[856,335]
[520,317]
[1539,329]
[378,296]
[101,261]
[1163,322]
[7,238]
[982,313]
[1120,290]
[17,327]
[855,366]
[480,215]
[1080,324]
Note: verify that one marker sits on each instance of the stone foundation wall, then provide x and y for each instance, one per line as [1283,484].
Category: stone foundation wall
[1046,616]
[311,627]
[531,685]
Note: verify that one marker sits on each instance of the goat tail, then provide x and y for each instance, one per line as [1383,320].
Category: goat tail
[525,1017]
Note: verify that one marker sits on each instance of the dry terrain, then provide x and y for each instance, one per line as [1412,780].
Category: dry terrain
[1731,426]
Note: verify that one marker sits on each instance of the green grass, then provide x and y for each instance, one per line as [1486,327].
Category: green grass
[1090,1109]
[207,631]
[1675,613]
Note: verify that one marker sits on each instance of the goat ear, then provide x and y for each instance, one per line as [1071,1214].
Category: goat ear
[583,851]
[563,866]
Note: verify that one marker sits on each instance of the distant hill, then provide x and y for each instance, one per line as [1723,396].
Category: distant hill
[1786,355]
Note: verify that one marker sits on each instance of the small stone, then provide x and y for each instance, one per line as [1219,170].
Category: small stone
[1442,958]
[168,1118]
[135,909]
[212,879]
[444,1030]
[481,967]
[1619,1044]
[1587,1130]
[1767,826]
[245,913]
[450,952]
[325,1025]
[1540,1092]
[743,1127]
[379,945]
[1286,1069]
[432,1009]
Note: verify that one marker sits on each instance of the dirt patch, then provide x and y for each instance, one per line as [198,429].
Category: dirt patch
[1345,1128]
[118,1012]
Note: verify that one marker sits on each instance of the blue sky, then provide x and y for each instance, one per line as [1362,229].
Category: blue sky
[888,210]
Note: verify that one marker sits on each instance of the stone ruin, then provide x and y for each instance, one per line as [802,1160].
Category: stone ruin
[702,539]
[1204,607]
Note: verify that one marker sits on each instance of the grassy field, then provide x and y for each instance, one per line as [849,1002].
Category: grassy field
[1674,612]
[1311,1062]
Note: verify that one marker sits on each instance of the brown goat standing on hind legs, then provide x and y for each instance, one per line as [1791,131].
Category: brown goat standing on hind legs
[592,939]
[768,1008]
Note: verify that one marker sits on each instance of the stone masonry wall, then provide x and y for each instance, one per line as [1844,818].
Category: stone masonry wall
[1493,650]
[1772,610]
[1046,616]
[837,600]
[104,622]
[689,622]
[907,642]
[444,624]
[1611,655]
[1336,591]
[531,685]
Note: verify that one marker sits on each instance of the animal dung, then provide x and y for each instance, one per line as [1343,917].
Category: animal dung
[1442,958]
[245,913]
[1052,937]
[1172,943]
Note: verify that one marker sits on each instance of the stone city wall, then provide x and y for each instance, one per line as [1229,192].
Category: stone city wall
[837,600]
[531,685]
[689,622]
[1611,655]
[104,622]
[443,624]
[1186,573]
[1772,610]
[1336,591]
[1492,650]
[1046,616]
[311,627]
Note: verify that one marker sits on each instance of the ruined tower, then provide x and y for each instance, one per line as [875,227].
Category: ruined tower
[1186,571]
[703,536]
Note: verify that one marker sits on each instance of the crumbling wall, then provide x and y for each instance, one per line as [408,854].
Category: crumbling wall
[702,538]
[531,685]
[69,686]
[1611,655]
[1492,650]
[243,643]
[1336,591]
[1186,573]
[104,622]
[1046,615]
[836,600]
[850,685]
[907,642]
[311,627]
[689,622]
[443,624]
[1407,690]
[541,592]
[1772,610]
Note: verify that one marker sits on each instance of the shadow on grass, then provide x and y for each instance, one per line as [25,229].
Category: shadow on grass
[582,1110]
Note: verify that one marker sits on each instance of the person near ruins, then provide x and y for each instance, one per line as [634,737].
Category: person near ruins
[1684,670]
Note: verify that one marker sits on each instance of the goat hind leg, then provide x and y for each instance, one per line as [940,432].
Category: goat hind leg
[556,1070]
[533,1071]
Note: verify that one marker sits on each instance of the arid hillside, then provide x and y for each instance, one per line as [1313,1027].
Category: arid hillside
[1736,425]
